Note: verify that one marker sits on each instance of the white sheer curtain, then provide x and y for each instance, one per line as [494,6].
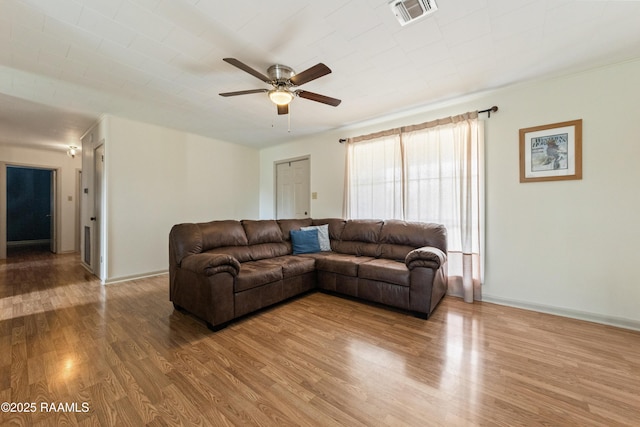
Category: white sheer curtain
[374,178]
[440,177]
[445,184]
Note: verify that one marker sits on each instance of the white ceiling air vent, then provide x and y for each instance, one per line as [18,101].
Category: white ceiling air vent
[410,10]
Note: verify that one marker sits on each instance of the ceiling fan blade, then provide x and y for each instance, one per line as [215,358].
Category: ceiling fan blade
[309,74]
[283,109]
[244,67]
[319,98]
[244,92]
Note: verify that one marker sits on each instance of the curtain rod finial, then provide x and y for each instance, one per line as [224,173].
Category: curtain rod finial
[489,111]
[342,140]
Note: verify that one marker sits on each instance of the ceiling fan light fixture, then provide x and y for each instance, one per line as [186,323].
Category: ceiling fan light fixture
[280,96]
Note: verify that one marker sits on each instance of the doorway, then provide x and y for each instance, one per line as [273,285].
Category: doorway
[293,189]
[97,260]
[31,198]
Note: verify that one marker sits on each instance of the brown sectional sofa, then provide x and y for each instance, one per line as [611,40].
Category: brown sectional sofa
[222,270]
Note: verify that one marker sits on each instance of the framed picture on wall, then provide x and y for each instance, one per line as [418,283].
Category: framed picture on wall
[551,152]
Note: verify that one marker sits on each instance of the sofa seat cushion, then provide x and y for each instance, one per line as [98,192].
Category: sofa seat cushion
[257,273]
[385,270]
[346,265]
[295,265]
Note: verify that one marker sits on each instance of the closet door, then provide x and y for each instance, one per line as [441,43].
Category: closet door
[293,189]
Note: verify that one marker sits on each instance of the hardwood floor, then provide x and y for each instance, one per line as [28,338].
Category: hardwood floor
[120,355]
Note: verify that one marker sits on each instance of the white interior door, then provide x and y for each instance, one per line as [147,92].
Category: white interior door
[78,223]
[293,189]
[96,261]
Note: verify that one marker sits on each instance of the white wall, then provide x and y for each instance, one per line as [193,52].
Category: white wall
[157,177]
[92,139]
[327,174]
[568,247]
[67,167]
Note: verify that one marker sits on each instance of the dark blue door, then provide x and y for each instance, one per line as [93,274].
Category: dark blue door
[28,205]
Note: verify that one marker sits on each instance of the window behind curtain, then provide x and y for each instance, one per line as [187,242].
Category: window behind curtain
[431,172]
[444,182]
[374,180]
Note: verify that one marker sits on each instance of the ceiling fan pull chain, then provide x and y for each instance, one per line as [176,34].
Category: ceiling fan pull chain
[289,120]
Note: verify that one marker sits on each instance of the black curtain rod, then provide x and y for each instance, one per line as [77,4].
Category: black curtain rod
[489,111]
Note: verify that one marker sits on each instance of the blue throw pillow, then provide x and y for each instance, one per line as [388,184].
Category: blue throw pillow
[305,241]
[323,236]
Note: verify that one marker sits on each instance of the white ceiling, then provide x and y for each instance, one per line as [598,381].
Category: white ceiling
[65,62]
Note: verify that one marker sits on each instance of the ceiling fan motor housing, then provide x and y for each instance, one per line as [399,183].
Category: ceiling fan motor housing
[279,72]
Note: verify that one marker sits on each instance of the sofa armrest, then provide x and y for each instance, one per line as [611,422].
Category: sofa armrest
[426,256]
[210,264]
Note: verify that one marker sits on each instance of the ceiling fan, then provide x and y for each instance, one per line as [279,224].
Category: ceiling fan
[284,81]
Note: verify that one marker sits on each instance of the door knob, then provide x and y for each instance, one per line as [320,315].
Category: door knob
[93,218]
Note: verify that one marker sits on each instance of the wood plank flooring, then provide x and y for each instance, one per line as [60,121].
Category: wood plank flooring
[120,355]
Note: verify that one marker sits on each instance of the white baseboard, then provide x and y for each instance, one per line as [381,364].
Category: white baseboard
[134,277]
[619,322]
[28,242]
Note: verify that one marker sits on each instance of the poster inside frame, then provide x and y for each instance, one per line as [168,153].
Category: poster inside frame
[551,152]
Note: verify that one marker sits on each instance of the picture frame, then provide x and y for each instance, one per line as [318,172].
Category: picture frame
[551,152]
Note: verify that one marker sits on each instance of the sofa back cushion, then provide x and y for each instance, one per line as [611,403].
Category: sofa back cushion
[360,238]
[184,240]
[286,225]
[265,239]
[398,238]
[192,238]
[262,231]
[336,227]
[216,234]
